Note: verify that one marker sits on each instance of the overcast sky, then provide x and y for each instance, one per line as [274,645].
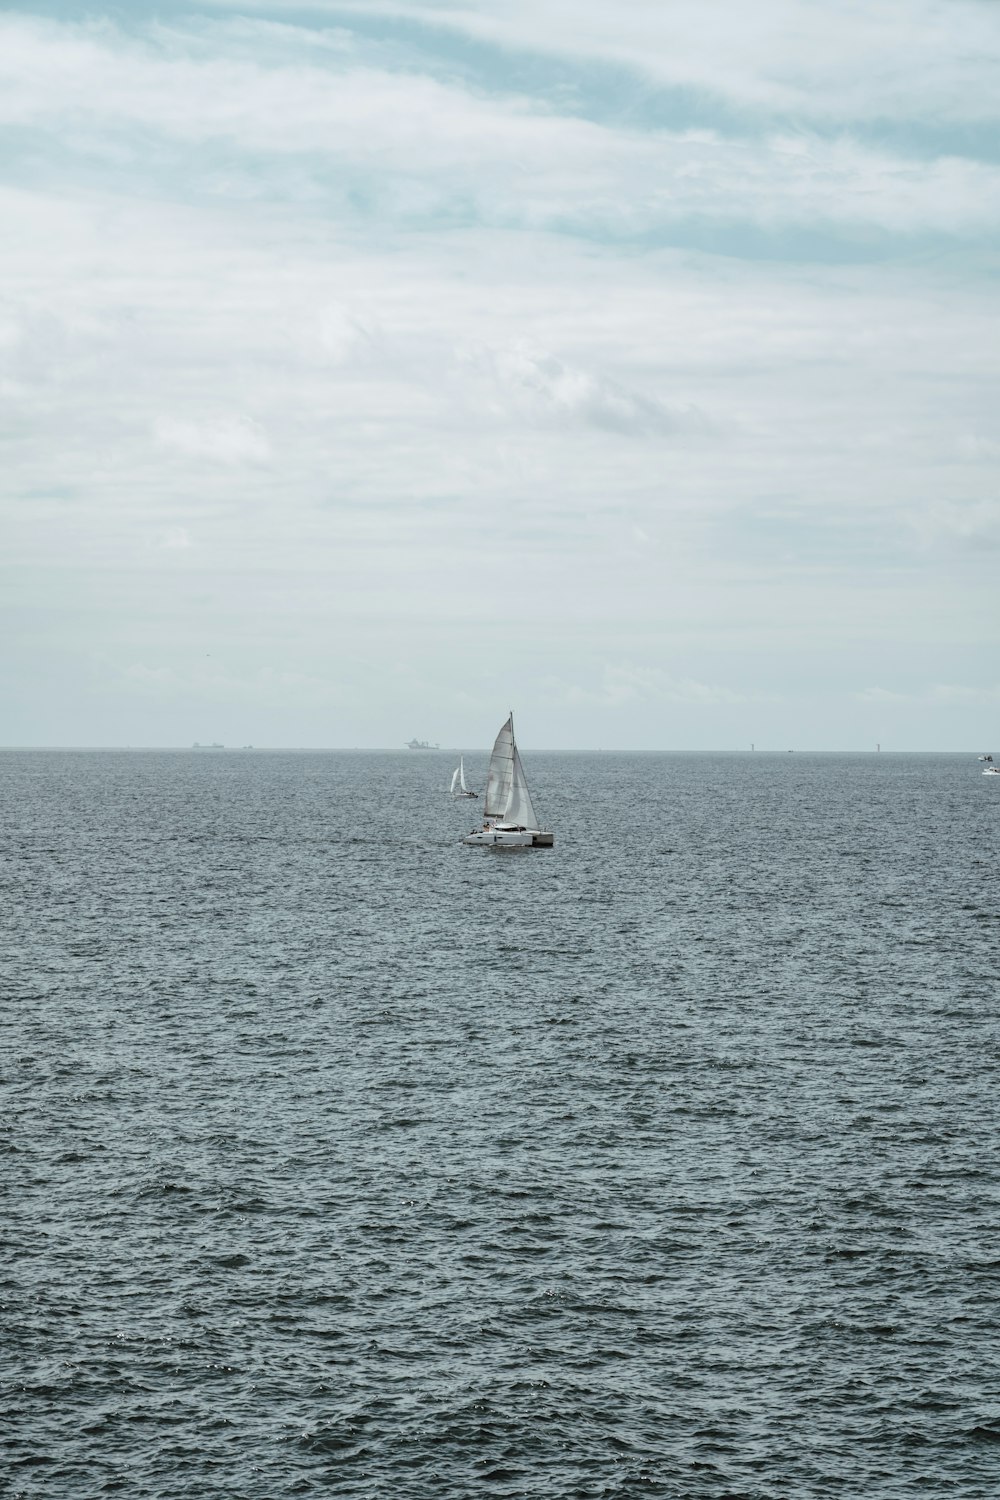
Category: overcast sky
[367,370]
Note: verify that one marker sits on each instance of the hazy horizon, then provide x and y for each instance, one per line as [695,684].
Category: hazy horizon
[366,371]
[484,750]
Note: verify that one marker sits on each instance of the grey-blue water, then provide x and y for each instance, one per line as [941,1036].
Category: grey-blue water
[340,1158]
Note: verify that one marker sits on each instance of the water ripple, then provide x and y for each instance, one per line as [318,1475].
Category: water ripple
[341,1158]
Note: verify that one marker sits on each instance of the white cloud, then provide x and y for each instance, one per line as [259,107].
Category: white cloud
[175,539]
[975,447]
[344,335]
[228,440]
[413,147]
[963,693]
[527,381]
[843,60]
[626,684]
[936,693]
[962,522]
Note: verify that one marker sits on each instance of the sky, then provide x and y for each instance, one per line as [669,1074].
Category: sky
[366,371]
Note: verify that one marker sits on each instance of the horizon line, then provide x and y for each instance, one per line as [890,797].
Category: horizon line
[485,749]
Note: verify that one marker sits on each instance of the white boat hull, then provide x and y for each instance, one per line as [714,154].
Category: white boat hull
[498,836]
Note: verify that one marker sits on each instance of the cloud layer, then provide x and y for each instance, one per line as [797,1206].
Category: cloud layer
[650,361]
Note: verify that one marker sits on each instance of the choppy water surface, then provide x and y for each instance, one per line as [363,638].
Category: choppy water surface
[340,1158]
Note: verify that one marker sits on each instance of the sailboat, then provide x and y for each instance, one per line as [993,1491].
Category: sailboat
[458,786]
[509,818]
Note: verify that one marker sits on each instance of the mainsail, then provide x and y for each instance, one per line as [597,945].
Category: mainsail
[461,773]
[507,797]
[501,772]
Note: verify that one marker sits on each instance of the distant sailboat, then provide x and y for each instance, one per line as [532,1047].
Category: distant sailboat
[509,817]
[458,786]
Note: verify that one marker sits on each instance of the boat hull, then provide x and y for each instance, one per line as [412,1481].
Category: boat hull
[510,838]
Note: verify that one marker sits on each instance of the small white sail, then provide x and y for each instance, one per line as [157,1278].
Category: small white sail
[461,773]
[454,778]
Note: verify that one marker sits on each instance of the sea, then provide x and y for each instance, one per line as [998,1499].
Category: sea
[340,1158]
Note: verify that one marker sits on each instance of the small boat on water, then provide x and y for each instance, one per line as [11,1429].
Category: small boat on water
[986,757]
[992,771]
[509,819]
[458,786]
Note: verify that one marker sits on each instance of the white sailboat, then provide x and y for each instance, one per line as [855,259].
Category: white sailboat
[458,786]
[509,818]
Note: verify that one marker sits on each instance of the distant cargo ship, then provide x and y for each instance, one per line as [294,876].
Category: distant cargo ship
[421,745]
[213,746]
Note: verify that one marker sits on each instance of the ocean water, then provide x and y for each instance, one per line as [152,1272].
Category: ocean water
[340,1158]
